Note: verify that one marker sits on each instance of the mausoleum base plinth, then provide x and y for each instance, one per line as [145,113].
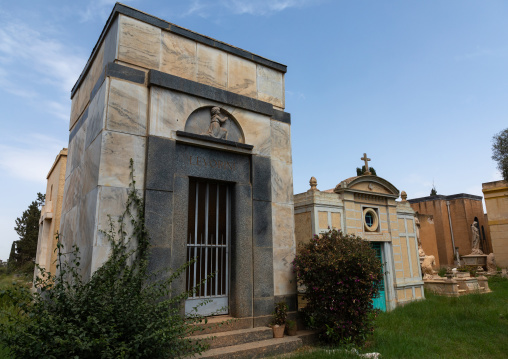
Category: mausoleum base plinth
[474,260]
[441,286]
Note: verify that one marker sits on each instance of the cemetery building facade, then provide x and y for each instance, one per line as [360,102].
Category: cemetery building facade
[204,123]
[366,206]
[496,202]
[49,223]
[452,217]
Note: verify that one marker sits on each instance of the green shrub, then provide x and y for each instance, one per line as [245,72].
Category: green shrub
[123,311]
[341,274]
[441,272]
[280,313]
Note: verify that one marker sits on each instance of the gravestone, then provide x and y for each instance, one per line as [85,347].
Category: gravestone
[205,125]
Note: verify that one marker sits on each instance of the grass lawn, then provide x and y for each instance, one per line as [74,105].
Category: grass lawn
[472,326]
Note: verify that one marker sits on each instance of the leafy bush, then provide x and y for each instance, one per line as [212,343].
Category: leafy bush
[342,275]
[280,313]
[123,311]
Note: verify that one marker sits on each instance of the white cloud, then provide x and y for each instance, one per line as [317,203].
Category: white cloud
[45,64]
[239,7]
[98,9]
[30,157]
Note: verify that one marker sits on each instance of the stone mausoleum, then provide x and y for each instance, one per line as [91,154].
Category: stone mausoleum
[204,123]
[496,202]
[366,206]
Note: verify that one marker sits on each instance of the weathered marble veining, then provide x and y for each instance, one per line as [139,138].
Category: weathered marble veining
[178,56]
[139,43]
[212,66]
[270,86]
[242,76]
[127,107]
[117,150]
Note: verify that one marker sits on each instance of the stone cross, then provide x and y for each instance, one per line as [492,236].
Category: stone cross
[364,158]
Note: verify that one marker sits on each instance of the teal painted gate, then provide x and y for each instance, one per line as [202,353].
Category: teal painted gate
[380,300]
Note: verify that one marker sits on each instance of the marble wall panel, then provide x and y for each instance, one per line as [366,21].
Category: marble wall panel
[75,151]
[270,86]
[282,182]
[69,227]
[283,231]
[74,109]
[212,66]
[90,166]
[111,44]
[256,129]
[281,141]
[139,43]
[112,202]
[178,56]
[169,110]
[116,152]
[127,107]
[99,255]
[242,76]
[87,225]
[72,190]
[283,276]
[96,114]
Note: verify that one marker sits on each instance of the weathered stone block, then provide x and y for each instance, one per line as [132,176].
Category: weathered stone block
[283,226]
[263,269]
[178,56]
[281,141]
[212,66]
[270,86]
[242,76]
[256,128]
[159,217]
[261,178]
[282,182]
[284,279]
[139,43]
[262,223]
[117,150]
[127,107]
[160,168]
[96,114]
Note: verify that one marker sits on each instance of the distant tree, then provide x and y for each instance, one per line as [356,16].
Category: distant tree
[361,171]
[27,228]
[433,191]
[500,152]
[11,262]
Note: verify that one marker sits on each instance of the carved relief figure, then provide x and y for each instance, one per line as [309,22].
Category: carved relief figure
[427,267]
[421,252]
[216,122]
[475,243]
[491,264]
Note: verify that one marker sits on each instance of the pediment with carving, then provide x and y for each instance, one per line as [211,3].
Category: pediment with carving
[215,122]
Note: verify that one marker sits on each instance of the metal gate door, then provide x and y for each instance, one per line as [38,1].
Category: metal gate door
[208,238]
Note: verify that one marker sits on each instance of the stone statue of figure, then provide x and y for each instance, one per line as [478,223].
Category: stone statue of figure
[421,252]
[475,243]
[427,267]
[491,264]
[215,129]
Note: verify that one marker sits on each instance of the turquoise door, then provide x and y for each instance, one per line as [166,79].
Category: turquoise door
[380,300]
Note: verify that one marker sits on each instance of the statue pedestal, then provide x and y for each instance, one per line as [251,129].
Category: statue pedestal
[474,260]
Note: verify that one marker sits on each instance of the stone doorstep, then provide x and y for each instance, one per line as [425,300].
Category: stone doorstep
[235,337]
[259,349]
[222,323]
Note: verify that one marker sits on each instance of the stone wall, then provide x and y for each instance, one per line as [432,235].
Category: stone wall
[464,208]
[496,201]
[428,236]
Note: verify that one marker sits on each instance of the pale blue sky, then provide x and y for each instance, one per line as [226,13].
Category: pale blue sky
[421,86]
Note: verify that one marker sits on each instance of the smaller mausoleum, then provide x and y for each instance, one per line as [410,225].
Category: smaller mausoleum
[366,206]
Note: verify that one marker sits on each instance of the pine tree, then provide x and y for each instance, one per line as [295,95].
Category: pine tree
[360,172]
[27,228]
[433,191]
[500,152]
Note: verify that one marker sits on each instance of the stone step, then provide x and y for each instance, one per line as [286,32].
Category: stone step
[235,337]
[222,323]
[259,349]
